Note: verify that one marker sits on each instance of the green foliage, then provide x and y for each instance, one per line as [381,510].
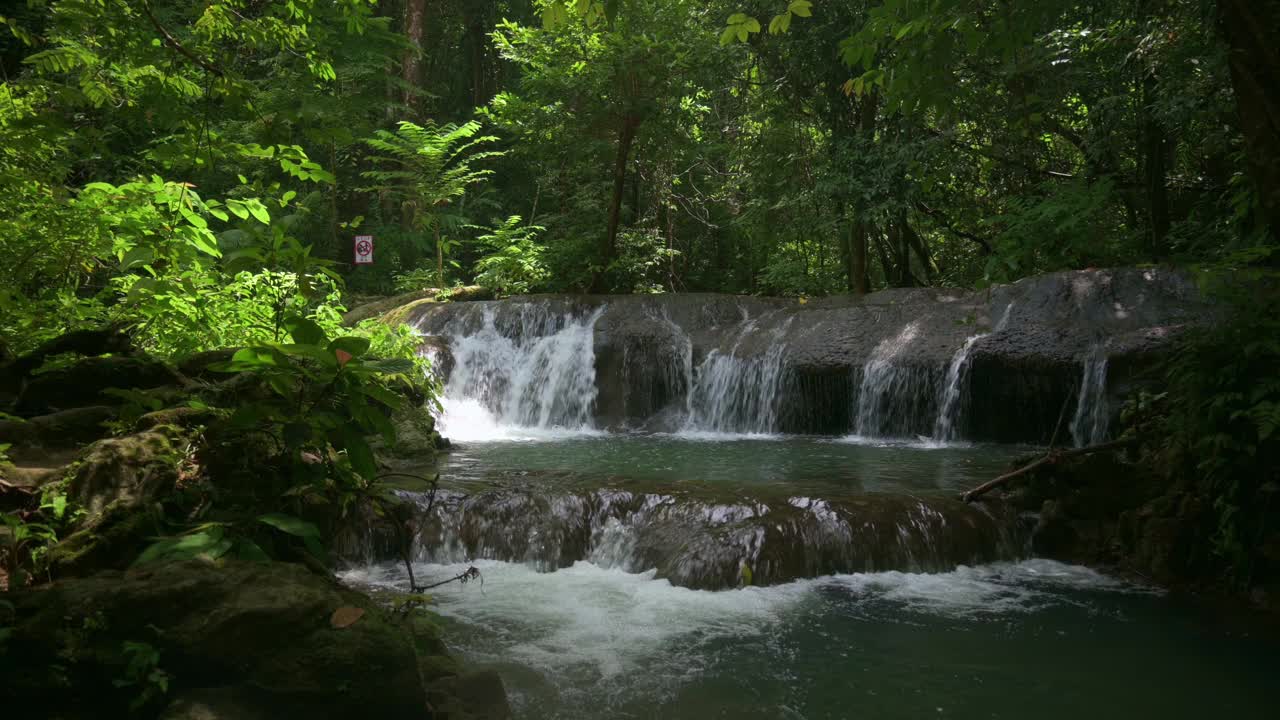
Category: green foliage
[1221,411]
[143,673]
[428,169]
[22,544]
[514,265]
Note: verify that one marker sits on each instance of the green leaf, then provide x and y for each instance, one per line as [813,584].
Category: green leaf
[205,242]
[238,208]
[391,366]
[383,395]
[137,257]
[259,212]
[194,219]
[290,524]
[359,453]
[351,344]
[250,551]
[205,543]
[800,8]
[305,331]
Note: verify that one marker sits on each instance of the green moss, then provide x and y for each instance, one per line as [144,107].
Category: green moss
[401,314]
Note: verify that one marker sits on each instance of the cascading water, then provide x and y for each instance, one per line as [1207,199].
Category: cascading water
[947,427]
[733,393]
[890,390]
[544,377]
[1093,412]
[701,542]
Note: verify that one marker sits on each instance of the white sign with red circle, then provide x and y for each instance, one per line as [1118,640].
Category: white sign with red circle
[364,249]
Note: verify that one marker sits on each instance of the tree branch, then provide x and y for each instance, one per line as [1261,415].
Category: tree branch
[950,227]
[172,42]
[1050,457]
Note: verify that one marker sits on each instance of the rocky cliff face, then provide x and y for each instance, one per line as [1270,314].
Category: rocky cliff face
[997,365]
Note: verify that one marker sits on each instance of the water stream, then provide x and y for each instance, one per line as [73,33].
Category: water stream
[723,570]
[1089,426]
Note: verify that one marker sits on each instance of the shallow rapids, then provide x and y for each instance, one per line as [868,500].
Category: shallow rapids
[1011,640]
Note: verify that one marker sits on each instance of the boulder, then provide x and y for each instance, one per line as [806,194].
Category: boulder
[133,470]
[240,640]
[116,484]
[85,383]
[65,429]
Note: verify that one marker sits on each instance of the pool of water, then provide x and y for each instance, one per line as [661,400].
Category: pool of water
[1019,639]
[756,464]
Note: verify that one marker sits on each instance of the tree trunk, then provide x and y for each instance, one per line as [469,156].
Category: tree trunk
[1155,167]
[626,138]
[861,228]
[1249,27]
[921,249]
[857,257]
[439,258]
[415,12]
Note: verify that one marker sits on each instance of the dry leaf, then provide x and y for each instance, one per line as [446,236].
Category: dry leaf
[345,616]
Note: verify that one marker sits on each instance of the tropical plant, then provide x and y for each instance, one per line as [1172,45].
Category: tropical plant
[514,265]
[428,169]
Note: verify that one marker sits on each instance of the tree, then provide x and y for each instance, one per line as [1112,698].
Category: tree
[428,168]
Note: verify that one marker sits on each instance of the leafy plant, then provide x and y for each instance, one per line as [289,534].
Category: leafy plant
[427,169]
[514,265]
[143,672]
[21,544]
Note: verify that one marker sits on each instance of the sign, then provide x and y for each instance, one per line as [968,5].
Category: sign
[364,249]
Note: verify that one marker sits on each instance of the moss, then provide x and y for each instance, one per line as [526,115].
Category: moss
[401,314]
[112,539]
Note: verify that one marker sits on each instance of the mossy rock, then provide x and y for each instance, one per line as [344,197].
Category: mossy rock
[111,539]
[134,469]
[261,633]
[65,429]
[87,381]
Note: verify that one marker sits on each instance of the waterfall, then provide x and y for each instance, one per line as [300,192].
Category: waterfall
[889,390]
[697,541]
[1093,412]
[542,378]
[947,427]
[733,393]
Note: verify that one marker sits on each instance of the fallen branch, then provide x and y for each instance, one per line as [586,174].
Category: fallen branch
[406,530]
[6,486]
[1053,456]
[471,573]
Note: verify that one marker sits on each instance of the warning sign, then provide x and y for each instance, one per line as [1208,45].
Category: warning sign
[364,249]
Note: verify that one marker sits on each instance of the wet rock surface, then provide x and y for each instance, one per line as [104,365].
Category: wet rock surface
[1035,336]
[700,540]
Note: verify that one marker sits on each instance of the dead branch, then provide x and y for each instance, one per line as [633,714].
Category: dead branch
[1053,456]
[471,573]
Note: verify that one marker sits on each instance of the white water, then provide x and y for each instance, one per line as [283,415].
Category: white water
[736,394]
[602,637]
[1090,424]
[883,382]
[512,388]
[947,427]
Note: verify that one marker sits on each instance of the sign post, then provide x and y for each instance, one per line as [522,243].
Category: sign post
[363,249]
